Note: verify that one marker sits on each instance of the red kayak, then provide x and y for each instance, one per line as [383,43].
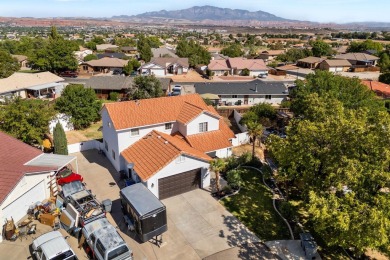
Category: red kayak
[70,178]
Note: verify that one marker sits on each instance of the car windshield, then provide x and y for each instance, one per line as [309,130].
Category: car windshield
[118,252]
[68,255]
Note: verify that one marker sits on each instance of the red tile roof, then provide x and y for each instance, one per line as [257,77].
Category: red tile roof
[189,112]
[152,111]
[251,64]
[380,88]
[156,150]
[13,155]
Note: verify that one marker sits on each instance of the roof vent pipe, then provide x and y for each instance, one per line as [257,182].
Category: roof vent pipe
[256,87]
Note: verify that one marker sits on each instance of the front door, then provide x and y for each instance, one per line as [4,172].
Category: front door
[246,99]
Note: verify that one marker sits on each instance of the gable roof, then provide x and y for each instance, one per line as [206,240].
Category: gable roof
[20,81]
[13,163]
[130,114]
[118,55]
[107,62]
[156,150]
[114,82]
[243,88]
[189,112]
[164,62]
[311,59]
[338,63]
[251,64]
[218,65]
[359,56]
[159,52]
[274,52]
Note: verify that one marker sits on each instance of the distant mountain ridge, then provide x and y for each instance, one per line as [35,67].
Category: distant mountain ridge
[198,13]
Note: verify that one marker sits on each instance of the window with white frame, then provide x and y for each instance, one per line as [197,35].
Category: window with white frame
[134,132]
[267,96]
[168,126]
[234,96]
[203,127]
[180,159]
[109,124]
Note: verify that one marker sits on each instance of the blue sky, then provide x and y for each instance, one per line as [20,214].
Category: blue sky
[313,10]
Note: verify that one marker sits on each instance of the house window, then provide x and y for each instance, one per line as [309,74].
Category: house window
[168,126]
[135,132]
[234,96]
[85,67]
[267,96]
[203,127]
[113,154]
[180,159]
[109,124]
[106,145]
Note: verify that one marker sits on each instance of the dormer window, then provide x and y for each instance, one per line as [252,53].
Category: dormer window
[168,126]
[203,127]
[134,132]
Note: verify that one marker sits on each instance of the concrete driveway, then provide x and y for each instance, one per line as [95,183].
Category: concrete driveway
[198,225]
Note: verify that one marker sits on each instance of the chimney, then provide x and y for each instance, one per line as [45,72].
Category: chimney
[256,87]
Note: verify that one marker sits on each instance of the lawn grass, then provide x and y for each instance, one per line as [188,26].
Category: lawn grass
[253,207]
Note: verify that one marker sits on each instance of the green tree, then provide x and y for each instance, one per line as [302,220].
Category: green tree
[292,55]
[385,78]
[233,51]
[195,53]
[321,48]
[154,42]
[131,66]
[56,56]
[216,166]
[8,65]
[144,48]
[364,46]
[336,156]
[245,72]
[384,62]
[262,113]
[234,178]
[146,87]
[90,45]
[60,141]
[26,119]
[255,130]
[80,104]
[124,42]
[90,57]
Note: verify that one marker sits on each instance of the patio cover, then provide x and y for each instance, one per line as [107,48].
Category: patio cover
[57,161]
[44,86]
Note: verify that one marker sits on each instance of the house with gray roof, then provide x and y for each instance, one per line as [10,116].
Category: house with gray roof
[246,93]
[104,85]
[359,58]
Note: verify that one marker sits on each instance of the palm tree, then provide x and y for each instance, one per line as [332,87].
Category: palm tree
[255,129]
[217,165]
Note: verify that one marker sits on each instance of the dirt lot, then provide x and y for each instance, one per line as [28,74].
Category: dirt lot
[238,150]
[93,132]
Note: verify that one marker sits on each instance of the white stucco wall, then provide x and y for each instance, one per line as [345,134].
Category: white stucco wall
[193,126]
[25,184]
[257,72]
[175,168]
[224,153]
[110,136]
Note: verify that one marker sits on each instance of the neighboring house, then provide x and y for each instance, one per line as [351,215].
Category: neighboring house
[103,47]
[246,93]
[359,59]
[25,85]
[163,52]
[165,84]
[165,143]
[118,55]
[335,65]
[380,89]
[270,55]
[309,62]
[130,51]
[104,85]
[25,176]
[22,61]
[235,66]
[103,65]
[219,67]
[165,66]
[81,54]
[218,56]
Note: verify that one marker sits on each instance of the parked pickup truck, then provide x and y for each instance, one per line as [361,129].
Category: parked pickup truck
[104,241]
[87,206]
[52,246]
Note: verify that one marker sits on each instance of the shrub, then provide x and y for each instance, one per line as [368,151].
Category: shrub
[227,189]
[226,73]
[287,210]
[245,72]
[234,178]
[114,96]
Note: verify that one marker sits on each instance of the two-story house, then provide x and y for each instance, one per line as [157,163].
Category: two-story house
[165,143]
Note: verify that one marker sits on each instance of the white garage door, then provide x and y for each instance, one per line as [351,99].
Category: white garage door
[18,208]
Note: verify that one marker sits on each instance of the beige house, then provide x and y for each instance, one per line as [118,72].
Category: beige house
[335,65]
[309,62]
[104,65]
